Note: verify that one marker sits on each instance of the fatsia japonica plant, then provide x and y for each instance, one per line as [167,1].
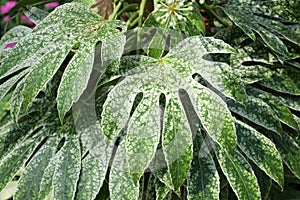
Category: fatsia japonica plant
[170,99]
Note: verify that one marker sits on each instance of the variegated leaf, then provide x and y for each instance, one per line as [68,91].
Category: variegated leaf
[239,174]
[177,142]
[29,184]
[70,27]
[247,18]
[282,112]
[203,180]
[289,151]
[10,164]
[261,151]
[67,169]
[121,185]
[257,111]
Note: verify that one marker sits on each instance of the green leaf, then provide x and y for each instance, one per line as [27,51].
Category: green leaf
[36,15]
[289,151]
[261,151]
[29,184]
[70,27]
[121,185]
[67,169]
[283,113]
[239,174]
[92,175]
[11,163]
[177,142]
[285,80]
[14,35]
[161,191]
[257,111]
[203,180]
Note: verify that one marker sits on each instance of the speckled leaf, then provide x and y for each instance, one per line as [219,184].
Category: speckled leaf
[283,9]
[285,80]
[250,26]
[14,35]
[36,15]
[93,173]
[46,187]
[239,174]
[143,134]
[218,74]
[67,169]
[240,11]
[177,141]
[203,180]
[153,77]
[121,185]
[10,164]
[289,151]
[16,100]
[290,101]
[74,79]
[67,27]
[29,183]
[7,85]
[257,111]
[282,112]
[261,151]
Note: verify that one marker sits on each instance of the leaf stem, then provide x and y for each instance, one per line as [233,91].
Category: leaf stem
[141,12]
[116,9]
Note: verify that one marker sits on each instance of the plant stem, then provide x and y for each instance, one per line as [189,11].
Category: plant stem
[114,14]
[141,12]
[140,23]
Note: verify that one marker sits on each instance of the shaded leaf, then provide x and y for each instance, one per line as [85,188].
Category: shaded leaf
[261,151]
